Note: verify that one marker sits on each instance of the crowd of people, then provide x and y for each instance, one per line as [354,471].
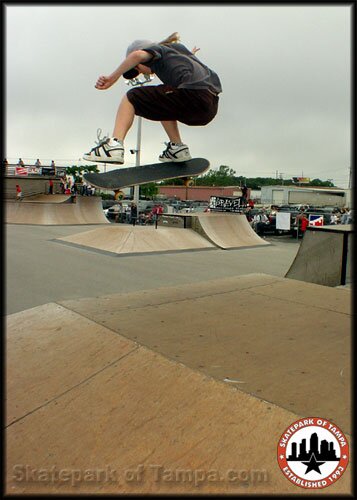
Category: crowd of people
[264,219]
[131,215]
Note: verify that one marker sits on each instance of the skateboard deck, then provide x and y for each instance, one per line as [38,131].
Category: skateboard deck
[133,176]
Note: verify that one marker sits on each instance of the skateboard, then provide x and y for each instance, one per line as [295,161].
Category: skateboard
[133,176]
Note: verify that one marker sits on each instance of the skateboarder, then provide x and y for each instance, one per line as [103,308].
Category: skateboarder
[188,94]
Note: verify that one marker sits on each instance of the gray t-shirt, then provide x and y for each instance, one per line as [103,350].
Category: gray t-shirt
[175,65]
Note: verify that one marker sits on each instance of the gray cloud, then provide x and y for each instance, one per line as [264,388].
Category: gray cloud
[285,72]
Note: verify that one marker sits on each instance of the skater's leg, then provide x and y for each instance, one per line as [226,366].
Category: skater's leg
[124,119]
[171,128]
[112,149]
[175,151]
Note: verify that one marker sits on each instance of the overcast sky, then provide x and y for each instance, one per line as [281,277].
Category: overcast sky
[285,72]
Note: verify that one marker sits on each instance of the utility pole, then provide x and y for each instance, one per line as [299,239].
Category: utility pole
[135,82]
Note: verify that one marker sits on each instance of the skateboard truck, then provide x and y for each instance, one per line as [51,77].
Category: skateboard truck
[188,181]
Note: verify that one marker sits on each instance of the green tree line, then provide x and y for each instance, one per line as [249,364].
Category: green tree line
[226,176]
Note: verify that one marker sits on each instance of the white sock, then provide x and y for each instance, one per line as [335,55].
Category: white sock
[114,141]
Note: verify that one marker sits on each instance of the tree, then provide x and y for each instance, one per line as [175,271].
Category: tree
[77,171]
[318,182]
[224,176]
[149,190]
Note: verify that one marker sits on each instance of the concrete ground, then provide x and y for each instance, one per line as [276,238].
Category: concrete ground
[41,270]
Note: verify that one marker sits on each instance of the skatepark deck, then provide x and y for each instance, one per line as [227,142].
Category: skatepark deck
[125,239]
[86,210]
[324,256]
[186,378]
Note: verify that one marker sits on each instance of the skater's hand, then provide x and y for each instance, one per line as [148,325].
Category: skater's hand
[195,49]
[104,82]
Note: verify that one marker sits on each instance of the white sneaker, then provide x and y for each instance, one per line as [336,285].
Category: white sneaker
[108,150]
[175,152]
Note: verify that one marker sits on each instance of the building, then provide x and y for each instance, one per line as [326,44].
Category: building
[198,193]
[294,195]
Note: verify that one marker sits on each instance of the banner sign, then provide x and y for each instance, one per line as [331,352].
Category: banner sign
[316,220]
[225,204]
[21,171]
[34,170]
[48,170]
[302,180]
[283,220]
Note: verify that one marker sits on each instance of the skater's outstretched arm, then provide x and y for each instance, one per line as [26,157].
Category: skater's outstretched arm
[133,60]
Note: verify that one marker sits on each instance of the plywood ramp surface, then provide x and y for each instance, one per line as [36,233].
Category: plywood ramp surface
[81,397]
[86,210]
[322,255]
[126,239]
[146,384]
[227,230]
[283,340]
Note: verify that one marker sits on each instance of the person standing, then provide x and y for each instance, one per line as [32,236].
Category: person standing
[19,194]
[50,189]
[244,195]
[304,222]
[133,213]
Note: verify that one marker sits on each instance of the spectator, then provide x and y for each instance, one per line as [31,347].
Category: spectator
[118,209]
[53,164]
[63,185]
[247,213]
[259,222]
[344,216]
[133,213]
[251,203]
[38,163]
[333,219]
[142,219]
[304,222]
[154,212]
[19,194]
[350,216]
[244,195]
[20,162]
[50,189]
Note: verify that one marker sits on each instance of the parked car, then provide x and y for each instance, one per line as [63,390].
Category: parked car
[113,211]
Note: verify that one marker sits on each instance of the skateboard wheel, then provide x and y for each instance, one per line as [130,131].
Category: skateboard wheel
[188,182]
[118,195]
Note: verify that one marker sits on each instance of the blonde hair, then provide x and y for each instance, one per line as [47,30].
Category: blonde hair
[173,38]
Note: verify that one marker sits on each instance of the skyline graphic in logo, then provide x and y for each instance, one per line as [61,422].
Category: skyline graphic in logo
[313,453]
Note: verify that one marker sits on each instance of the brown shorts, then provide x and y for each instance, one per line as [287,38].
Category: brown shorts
[163,103]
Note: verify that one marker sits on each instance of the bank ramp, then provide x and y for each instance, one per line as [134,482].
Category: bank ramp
[54,211]
[224,230]
[324,256]
[165,391]
[124,239]
[227,230]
